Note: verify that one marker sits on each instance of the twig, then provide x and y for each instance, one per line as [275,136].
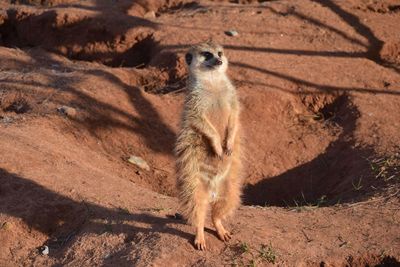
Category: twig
[373,200]
[306,236]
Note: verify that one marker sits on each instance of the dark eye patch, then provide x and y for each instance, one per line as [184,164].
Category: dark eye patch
[220,54]
[207,55]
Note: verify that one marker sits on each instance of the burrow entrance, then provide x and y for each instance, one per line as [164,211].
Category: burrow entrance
[99,40]
[112,41]
[344,172]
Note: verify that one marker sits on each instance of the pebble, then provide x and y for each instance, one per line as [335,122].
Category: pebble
[68,111]
[6,119]
[232,33]
[44,250]
[138,161]
[5,226]
[178,216]
[150,15]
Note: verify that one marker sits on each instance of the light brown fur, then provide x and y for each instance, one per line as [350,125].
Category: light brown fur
[208,145]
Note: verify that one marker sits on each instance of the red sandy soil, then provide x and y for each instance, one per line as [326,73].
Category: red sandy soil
[319,83]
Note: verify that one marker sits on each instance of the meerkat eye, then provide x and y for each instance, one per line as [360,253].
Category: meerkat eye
[207,55]
[188,58]
[220,54]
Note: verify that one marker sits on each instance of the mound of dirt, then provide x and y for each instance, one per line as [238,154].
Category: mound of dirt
[381,6]
[87,36]
[391,53]
[319,85]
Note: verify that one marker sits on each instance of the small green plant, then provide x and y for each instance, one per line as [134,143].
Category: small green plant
[244,247]
[267,253]
[303,204]
[386,168]
[249,256]
[338,201]
[123,210]
[320,201]
[252,263]
[358,185]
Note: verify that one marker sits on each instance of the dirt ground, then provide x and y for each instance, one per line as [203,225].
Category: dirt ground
[86,84]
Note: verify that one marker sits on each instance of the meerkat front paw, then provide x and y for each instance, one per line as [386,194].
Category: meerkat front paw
[228,148]
[218,149]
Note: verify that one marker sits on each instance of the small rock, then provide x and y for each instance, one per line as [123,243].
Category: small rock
[178,216]
[138,161]
[68,111]
[44,250]
[19,106]
[6,119]
[232,33]
[150,15]
[5,226]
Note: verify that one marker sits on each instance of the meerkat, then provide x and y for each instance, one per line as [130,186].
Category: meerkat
[208,145]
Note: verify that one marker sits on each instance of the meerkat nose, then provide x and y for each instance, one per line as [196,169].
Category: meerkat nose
[218,62]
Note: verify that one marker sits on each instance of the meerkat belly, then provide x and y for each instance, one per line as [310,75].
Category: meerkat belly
[214,170]
[213,175]
[218,115]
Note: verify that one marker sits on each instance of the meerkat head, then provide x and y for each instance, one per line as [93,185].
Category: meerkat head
[206,57]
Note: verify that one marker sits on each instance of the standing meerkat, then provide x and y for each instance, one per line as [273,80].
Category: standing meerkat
[208,145]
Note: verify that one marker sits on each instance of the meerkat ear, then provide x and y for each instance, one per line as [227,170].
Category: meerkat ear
[188,58]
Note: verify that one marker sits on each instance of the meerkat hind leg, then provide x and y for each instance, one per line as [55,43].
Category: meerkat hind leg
[220,209]
[228,201]
[222,233]
[200,213]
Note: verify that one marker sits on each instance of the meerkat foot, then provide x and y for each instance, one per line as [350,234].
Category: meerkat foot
[222,233]
[224,236]
[200,243]
[228,151]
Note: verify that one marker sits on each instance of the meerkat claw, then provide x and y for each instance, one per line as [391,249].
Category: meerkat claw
[228,152]
[200,244]
[225,236]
